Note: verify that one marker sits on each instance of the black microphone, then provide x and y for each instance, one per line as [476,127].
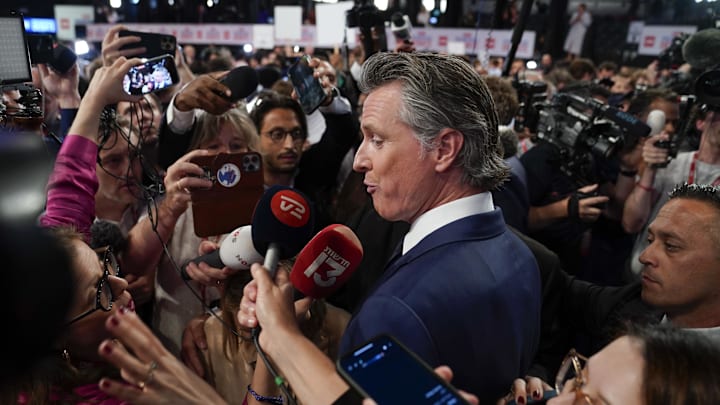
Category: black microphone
[242,82]
[236,252]
[282,224]
[702,49]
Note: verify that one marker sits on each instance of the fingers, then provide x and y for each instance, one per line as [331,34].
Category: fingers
[588,189]
[131,369]
[518,391]
[125,392]
[591,201]
[134,334]
[194,341]
[535,387]
[205,274]
[444,372]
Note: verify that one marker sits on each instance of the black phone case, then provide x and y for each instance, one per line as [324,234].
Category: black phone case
[308,88]
[155,44]
[230,202]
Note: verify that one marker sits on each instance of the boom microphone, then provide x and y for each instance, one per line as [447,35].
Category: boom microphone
[242,82]
[326,262]
[282,223]
[236,252]
[702,49]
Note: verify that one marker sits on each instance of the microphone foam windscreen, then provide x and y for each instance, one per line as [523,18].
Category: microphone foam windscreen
[282,216]
[237,250]
[327,261]
[656,121]
[242,82]
[702,49]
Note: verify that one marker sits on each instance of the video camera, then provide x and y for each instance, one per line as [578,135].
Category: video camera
[366,16]
[587,133]
[672,57]
[529,94]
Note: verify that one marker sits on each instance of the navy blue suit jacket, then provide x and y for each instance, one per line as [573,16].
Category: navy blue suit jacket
[468,296]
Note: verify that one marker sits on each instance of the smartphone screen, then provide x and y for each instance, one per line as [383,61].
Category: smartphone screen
[308,88]
[386,371]
[155,74]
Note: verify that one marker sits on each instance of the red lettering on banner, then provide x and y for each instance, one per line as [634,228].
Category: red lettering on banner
[442,40]
[649,41]
[199,34]
[65,23]
[226,34]
[490,43]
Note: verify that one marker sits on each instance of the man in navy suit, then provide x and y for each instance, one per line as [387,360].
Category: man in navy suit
[464,291]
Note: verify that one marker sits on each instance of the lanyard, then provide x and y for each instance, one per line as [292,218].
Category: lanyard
[693,169]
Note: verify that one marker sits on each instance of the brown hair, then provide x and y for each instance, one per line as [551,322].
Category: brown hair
[681,366]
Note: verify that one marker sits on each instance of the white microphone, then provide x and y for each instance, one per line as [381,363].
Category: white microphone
[236,252]
[656,121]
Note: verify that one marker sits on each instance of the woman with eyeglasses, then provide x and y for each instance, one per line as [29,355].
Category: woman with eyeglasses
[647,366]
[69,373]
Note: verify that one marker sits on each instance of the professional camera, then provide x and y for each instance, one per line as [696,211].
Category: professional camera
[529,93]
[401,27]
[366,16]
[707,89]
[587,133]
[672,57]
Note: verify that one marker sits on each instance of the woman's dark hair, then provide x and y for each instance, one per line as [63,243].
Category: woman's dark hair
[682,367]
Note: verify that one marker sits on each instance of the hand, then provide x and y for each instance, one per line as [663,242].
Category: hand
[267,303]
[106,86]
[652,155]
[446,374]
[521,390]
[587,212]
[141,288]
[206,274]
[181,177]
[63,87]
[405,46]
[154,375]
[206,93]
[194,342]
[112,43]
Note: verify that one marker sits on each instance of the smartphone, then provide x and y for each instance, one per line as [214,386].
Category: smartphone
[155,44]
[389,373]
[153,75]
[308,88]
[238,184]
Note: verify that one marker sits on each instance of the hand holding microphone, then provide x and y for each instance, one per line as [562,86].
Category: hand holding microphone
[324,265]
[235,252]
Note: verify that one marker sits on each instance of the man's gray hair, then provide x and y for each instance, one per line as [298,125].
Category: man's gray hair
[438,92]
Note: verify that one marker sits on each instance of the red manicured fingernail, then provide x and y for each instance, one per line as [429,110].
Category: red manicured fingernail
[520,400]
[123,310]
[107,349]
[114,321]
[104,384]
[536,394]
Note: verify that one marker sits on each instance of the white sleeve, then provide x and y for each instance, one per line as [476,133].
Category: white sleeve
[179,121]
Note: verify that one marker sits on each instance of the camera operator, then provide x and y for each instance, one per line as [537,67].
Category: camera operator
[651,190]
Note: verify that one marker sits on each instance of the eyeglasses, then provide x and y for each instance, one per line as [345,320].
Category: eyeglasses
[278,135]
[571,372]
[105,297]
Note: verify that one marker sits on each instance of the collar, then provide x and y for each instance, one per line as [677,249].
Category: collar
[444,214]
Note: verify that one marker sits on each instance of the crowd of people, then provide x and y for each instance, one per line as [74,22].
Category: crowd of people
[491,249]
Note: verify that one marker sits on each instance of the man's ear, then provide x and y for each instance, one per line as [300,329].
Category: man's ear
[448,144]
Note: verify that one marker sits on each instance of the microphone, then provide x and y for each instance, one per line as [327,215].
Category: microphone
[656,121]
[236,252]
[326,262]
[282,223]
[701,50]
[242,82]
